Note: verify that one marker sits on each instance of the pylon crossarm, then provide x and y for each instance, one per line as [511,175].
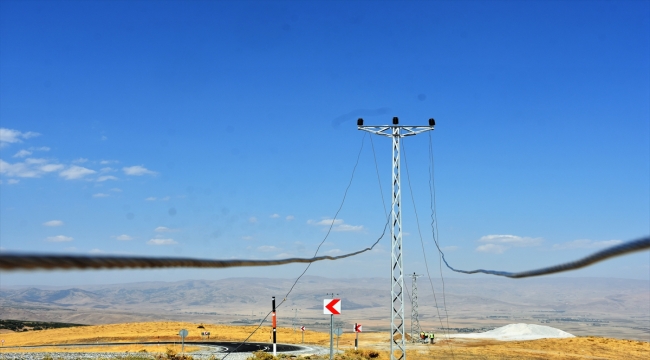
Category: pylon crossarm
[405,130]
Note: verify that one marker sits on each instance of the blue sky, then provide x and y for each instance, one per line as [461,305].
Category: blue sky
[227,130]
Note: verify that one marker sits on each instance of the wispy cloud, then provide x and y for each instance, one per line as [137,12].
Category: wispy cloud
[150,198]
[10,136]
[22,153]
[497,244]
[100,195]
[267,248]
[76,172]
[275,216]
[337,225]
[106,178]
[123,237]
[164,229]
[53,223]
[162,242]
[137,170]
[252,220]
[491,248]
[586,244]
[290,217]
[58,238]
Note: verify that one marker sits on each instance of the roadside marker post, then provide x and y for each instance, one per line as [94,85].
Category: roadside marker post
[332,307]
[302,328]
[338,332]
[357,330]
[274,325]
[183,333]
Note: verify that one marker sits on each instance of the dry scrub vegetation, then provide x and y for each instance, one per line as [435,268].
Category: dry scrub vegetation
[373,345]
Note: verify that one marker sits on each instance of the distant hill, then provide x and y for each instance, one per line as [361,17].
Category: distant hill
[594,306]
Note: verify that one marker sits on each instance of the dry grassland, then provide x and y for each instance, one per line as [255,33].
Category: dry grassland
[572,348]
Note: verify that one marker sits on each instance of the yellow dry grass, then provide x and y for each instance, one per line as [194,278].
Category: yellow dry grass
[572,348]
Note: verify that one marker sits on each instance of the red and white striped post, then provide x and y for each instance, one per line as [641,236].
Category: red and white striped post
[274,325]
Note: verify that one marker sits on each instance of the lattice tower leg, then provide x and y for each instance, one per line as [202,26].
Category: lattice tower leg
[398,341]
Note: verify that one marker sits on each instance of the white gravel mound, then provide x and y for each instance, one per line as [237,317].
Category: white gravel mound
[514,332]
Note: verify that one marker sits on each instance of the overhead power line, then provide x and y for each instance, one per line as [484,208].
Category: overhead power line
[618,250]
[52,262]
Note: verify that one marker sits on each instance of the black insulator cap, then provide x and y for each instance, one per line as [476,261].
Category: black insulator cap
[432,122]
[395,120]
[359,122]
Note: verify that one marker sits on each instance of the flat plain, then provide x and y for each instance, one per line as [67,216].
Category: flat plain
[571,348]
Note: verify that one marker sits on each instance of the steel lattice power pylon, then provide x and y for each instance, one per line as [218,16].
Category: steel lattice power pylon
[396,132]
[415,321]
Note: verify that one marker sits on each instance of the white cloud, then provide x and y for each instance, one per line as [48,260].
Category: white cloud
[283,255]
[51,167]
[106,177]
[97,251]
[58,238]
[53,223]
[116,190]
[42,148]
[12,181]
[346,227]
[22,153]
[267,248]
[123,237]
[339,225]
[586,244]
[491,248]
[511,240]
[9,136]
[161,242]
[497,244]
[252,220]
[100,195]
[325,222]
[30,168]
[106,162]
[137,170]
[150,198]
[290,217]
[274,216]
[163,229]
[76,172]
[333,251]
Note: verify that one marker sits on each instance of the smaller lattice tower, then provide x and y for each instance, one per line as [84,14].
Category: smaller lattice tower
[415,321]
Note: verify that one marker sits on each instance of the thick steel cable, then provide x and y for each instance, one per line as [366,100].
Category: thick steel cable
[434,224]
[14,261]
[605,254]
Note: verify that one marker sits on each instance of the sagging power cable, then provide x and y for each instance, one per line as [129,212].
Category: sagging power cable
[424,253]
[319,246]
[617,250]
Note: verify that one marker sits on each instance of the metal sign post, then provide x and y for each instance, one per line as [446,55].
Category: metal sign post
[183,333]
[396,132]
[332,307]
[357,330]
[302,329]
[338,333]
[274,325]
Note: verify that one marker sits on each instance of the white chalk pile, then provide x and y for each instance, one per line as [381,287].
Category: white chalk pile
[514,332]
